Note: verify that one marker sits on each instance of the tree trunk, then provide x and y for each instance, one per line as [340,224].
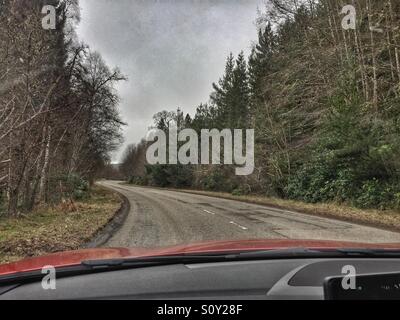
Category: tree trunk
[43,175]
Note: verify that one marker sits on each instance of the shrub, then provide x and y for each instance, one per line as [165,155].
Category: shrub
[68,186]
[377,194]
[157,175]
[242,190]
[220,178]
[213,181]
[351,160]
[177,176]
[396,200]
[140,181]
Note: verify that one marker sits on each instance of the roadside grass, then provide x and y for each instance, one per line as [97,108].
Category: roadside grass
[55,229]
[384,219]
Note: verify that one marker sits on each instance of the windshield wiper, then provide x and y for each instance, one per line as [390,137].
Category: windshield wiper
[153,261]
[364,252]
[325,253]
[290,253]
[208,258]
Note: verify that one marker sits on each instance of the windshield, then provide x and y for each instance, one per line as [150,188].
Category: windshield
[221,125]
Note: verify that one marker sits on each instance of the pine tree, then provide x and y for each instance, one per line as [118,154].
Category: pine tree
[260,64]
[188,121]
[231,95]
[240,94]
[221,97]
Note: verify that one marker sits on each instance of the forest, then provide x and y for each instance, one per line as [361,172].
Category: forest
[324,102]
[59,119]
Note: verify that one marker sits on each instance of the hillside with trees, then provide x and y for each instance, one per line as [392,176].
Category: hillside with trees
[58,107]
[324,103]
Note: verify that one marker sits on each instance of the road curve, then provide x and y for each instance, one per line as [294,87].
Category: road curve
[163,218]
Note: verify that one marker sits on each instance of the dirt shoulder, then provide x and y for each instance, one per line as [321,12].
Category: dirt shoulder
[383,219]
[49,230]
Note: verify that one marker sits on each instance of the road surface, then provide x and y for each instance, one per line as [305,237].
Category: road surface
[162,218]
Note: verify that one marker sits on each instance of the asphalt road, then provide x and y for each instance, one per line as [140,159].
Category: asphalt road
[162,218]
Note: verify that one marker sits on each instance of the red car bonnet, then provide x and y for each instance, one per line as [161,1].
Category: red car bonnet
[71,258]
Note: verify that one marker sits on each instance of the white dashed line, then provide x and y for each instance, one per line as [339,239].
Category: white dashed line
[209,212]
[231,222]
[238,225]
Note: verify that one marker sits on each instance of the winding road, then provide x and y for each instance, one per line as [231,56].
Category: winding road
[163,217]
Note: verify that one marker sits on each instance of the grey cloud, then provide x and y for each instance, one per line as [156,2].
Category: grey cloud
[171,50]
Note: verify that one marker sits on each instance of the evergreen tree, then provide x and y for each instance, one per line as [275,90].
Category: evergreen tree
[188,121]
[221,98]
[240,94]
[260,64]
[231,96]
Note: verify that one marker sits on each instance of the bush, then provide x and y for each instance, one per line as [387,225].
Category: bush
[322,180]
[140,181]
[396,200]
[68,186]
[176,176]
[377,194]
[220,178]
[157,175]
[353,160]
[213,181]
[179,176]
[242,190]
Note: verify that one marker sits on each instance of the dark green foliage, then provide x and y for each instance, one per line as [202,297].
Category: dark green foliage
[176,176]
[379,194]
[179,176]
[242,190]
[205,118]
[157,175]
[219,178]
[260,64]
[139,181]
[68,187]
[231,96]
[351,160]
[215,181]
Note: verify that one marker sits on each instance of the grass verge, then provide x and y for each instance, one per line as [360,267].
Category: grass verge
[55,229]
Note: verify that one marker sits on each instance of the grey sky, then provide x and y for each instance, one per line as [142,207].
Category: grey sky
[171,50]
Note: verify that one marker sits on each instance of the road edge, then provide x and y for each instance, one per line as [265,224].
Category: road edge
[106,233]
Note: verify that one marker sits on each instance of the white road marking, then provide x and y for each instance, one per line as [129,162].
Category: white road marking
[231,222]
[238,225]
[210,212]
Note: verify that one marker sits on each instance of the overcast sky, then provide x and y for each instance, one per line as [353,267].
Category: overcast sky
[171,50]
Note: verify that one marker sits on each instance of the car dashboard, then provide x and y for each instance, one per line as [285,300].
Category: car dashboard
[278,279]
